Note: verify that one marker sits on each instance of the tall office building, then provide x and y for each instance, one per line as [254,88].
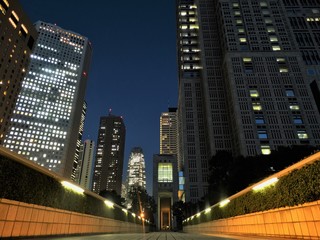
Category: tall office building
[304,19]
[84,172]
[168,132]
[136,173]
[76,161]
[17,36]
[47,116]
[109,154]
[242,84]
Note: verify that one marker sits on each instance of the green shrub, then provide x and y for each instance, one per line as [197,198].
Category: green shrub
[298,187]
[20,183]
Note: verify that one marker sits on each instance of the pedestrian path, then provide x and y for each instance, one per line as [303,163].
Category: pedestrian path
[158,236]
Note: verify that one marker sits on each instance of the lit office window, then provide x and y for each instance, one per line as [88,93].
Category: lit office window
[256,106]
[165,173]
[265,150]
[259,120]
[294,106]
[276,48]
[297,120]
[262,134]
[289,93]
[302,134]
[254,93]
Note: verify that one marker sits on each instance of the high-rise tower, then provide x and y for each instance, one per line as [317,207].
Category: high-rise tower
[136,173]
[242,84]
[168,132]
[47,116]
[84,172]
[17,36]
[109,154]
[76,161]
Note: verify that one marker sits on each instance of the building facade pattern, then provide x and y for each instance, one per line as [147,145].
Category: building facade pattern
[17,37]
[47,115]
[247,91]
[109,155]
[168,132]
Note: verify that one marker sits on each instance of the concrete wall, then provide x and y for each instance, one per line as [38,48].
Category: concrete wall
[291,222]
[19,219]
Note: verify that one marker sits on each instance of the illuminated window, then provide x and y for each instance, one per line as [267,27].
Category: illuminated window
[276,48]
[273,39]
[4,5]
[237,13]
[271,29]
[268,21]
[165,173]
[256,106]
[289,93]
[254,93]
[294,106]
[263,4]
[262,134]
[235,5]
[240,30]
[297,120]
[265,150]
[259,120]
[283,69]
[239,21]
[302,134]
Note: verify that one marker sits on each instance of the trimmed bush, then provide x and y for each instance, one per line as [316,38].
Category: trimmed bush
[20,183]
[298,187]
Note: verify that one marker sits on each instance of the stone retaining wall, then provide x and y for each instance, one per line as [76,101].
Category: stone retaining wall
[19,219]
[291,222]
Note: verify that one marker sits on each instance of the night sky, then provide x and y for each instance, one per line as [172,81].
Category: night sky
[133,68]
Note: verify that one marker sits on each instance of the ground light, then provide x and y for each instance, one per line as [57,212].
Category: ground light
[265,184]
[73,187]
[125,210]
[109,203]
[224,202]
[207,210]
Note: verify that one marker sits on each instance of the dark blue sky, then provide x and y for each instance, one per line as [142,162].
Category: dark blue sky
[133,69]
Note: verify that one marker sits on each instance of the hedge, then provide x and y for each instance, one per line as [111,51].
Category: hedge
[298,187]
[20,183]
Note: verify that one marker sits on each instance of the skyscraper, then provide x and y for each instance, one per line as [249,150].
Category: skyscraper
[168,132]
[47,116]
[109,154]
[17,36]
[84,171]
[305,24]
[242,84]
[76,165]
[136,173]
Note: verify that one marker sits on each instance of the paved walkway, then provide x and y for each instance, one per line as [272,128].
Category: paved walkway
[157,236]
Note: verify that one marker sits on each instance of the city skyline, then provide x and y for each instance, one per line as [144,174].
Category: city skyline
[147,87]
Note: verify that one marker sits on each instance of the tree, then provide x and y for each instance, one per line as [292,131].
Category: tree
[142,202]
[178,211]
[229,175]
[112,196]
